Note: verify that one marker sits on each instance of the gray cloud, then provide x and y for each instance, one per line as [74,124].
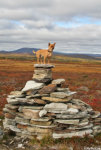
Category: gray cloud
[31,23]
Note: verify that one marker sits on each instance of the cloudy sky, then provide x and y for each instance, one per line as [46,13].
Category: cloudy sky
[75,25]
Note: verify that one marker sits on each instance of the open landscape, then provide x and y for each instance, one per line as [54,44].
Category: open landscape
[81,75]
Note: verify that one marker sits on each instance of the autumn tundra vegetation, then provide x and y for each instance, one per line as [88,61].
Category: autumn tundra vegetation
[81,75]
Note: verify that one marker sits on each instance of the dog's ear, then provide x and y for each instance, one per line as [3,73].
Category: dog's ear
[48,44]
[54,44]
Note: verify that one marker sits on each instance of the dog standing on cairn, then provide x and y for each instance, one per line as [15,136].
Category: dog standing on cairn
[45,54]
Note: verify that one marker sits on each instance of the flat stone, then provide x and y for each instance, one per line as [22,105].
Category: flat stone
[44,80]
[20,126]
[55,106]
[42,113]
[42,76]
[80,102]
[31,92]
[17,93]
[42,123]
[96,127]
[61,94]
[81,127]
[35,101]
[72,134]
[9,116]
[75,116]
[52,99]
[40,101]
[29,114]
[36,96]
[45,119]
[48,89]
[11,111]
[32,85]
[71,111]
[9,122]
[58,81]
[38,130]
[96,114]
[22,121]
[43,66]
[74,121]
[9,106]
[12,101]
[63,90]
[30,107]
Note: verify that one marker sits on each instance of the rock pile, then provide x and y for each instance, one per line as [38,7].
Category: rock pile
[43,107]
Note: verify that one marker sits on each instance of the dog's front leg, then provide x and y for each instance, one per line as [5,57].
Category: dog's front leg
[44,60]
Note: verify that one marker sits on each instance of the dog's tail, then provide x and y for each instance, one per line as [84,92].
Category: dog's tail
[34,52]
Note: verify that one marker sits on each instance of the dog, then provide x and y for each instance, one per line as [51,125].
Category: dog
[45,54]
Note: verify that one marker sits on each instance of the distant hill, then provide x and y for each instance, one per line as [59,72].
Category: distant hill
[74,55]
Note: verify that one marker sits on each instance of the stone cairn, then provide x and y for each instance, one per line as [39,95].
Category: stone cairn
[44,108]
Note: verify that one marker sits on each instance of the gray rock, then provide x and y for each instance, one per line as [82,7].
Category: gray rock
[61,94]
[22,121]
[55,107]
[57,100]
[12,101]
[9,106]
[42,113]
[74,121]
[29,113]
[32,85]
[10,121]
[72,134]
[58,81]
[96,114]
[71,111]
[30,107]
[43,66]
[75,116]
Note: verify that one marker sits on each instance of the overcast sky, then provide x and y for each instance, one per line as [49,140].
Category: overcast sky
[75,25]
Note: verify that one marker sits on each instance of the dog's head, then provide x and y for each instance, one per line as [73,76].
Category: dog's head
[51,46]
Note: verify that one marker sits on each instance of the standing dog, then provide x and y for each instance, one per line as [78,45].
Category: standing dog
[45,54]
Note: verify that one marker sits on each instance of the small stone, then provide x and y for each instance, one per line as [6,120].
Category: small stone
[58,81]
[48,89]
[32,85]
[63,90]
[42,113]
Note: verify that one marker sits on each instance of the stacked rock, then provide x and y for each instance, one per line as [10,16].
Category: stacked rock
[44,108]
